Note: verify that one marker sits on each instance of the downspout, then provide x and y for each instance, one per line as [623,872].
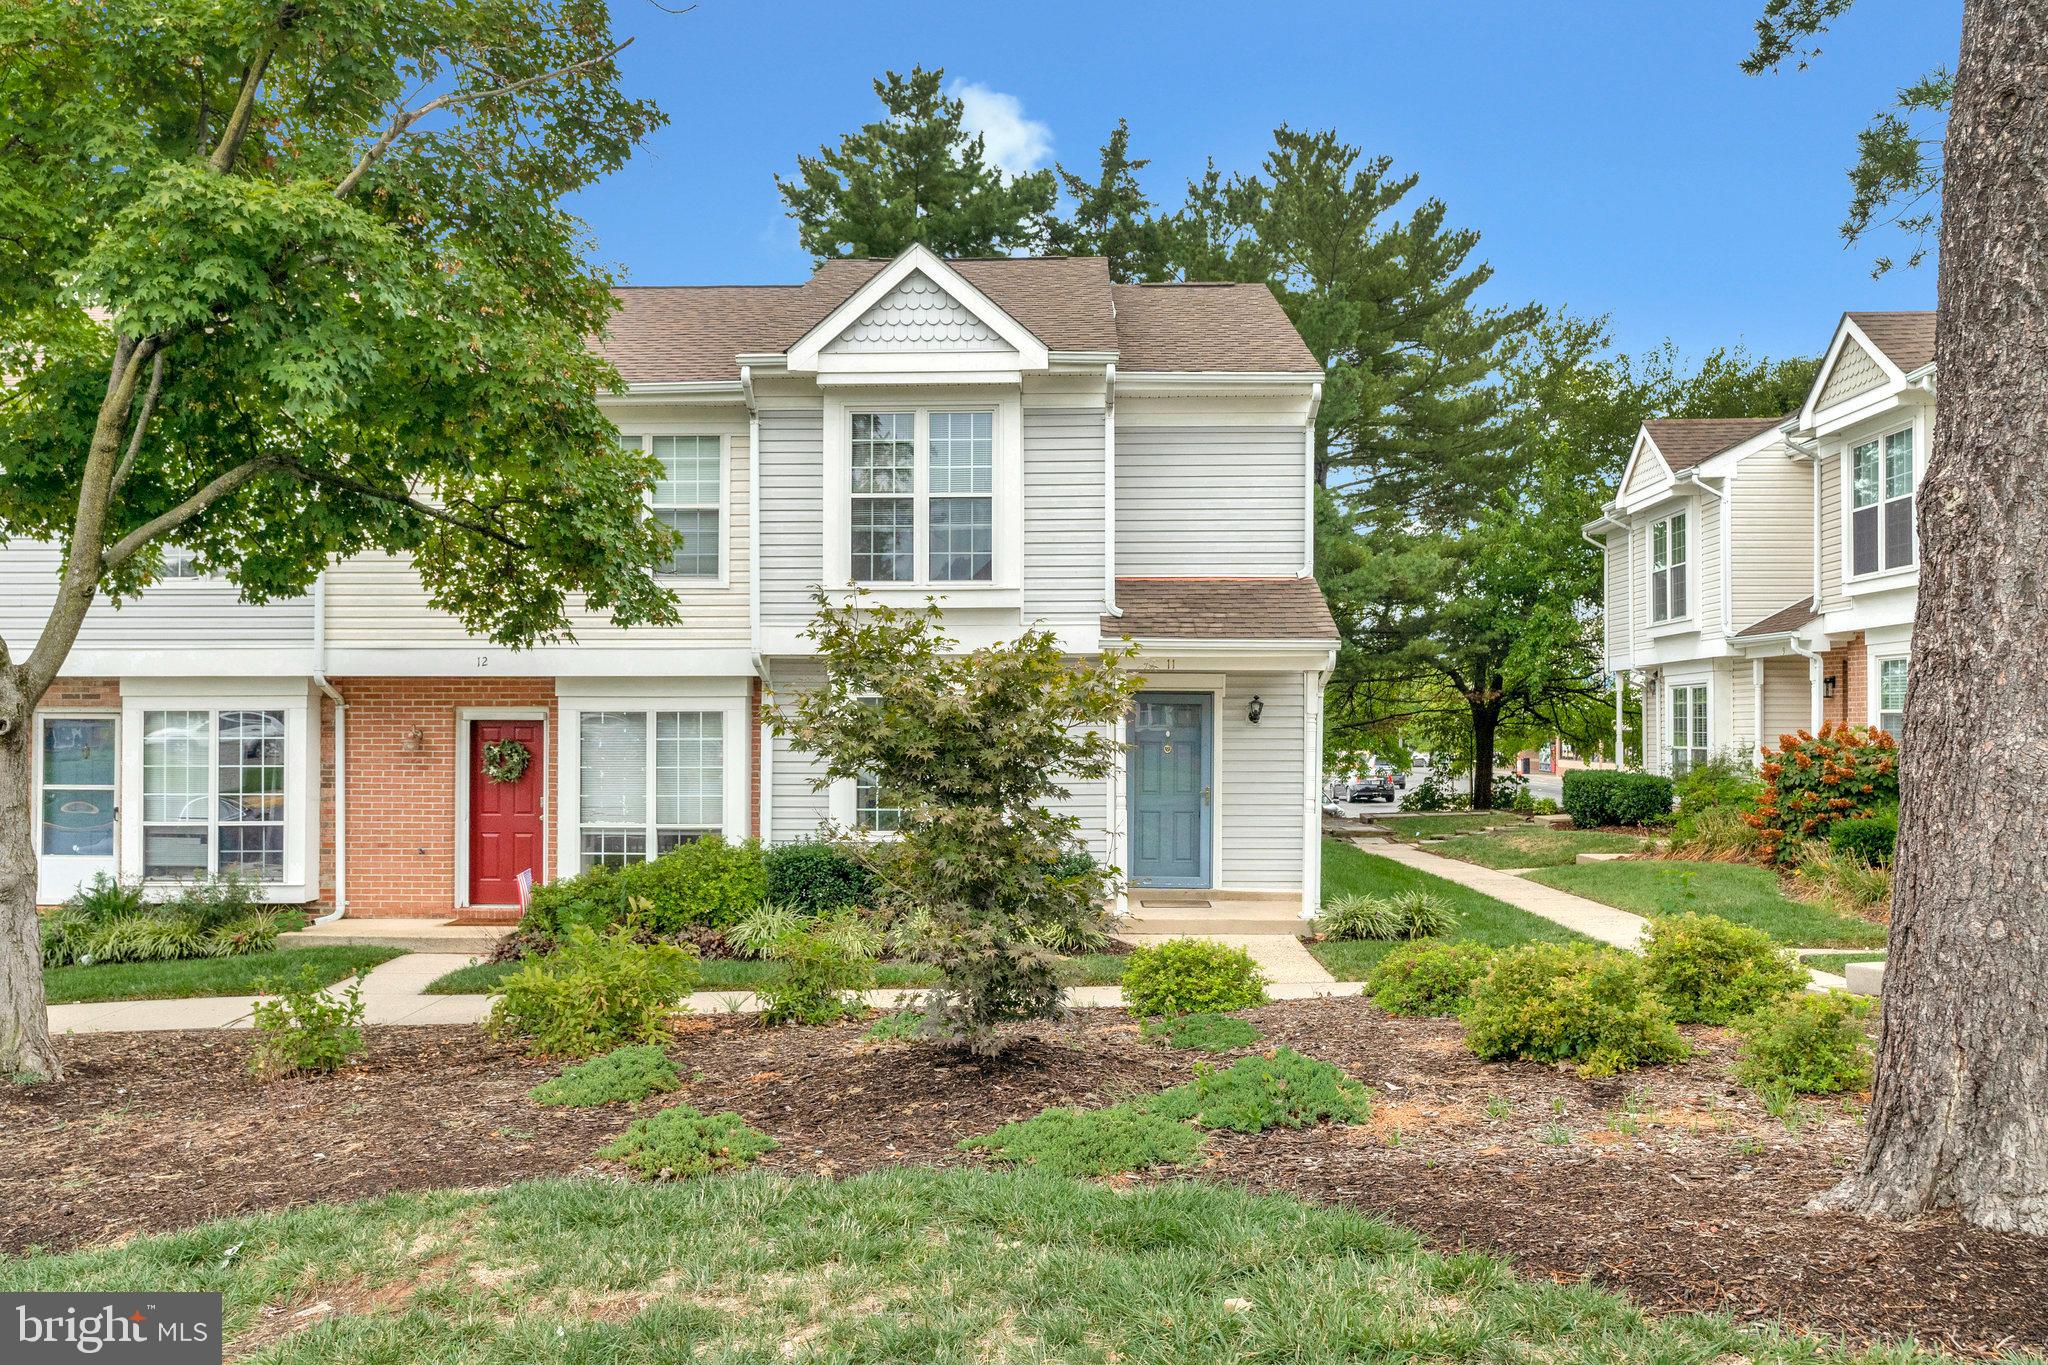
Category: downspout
[1312,772]
[1109,491]
[1756,703]
[1308,501]
[766,817]
[340,751]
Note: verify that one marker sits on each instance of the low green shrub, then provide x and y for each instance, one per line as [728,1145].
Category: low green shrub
[1191,976]
[681,1142]
[1202,1032]
[301,1027]
[826,964]
[1873,838]
[817,877]
[1280,1090]
[592,994]
[1550,1002]
[1726,779]
[1406,914]
[1092,1142]
[107,898]
[1709,970]
[1428,978]
[621,1075]
[1434,792]
[1811,1043]
[708,883]
[897,1026]
[1594,797]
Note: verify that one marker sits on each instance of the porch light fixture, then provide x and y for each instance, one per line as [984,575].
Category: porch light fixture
[1827,686]
[1255,710]
[414,741]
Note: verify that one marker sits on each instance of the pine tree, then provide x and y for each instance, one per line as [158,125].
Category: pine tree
[916,175]
[1113,217]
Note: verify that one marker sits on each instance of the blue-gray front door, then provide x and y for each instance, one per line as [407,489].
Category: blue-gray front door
[1171,760]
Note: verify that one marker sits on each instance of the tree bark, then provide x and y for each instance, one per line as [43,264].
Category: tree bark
[1960,1118]
[25,1046]
[1485,725]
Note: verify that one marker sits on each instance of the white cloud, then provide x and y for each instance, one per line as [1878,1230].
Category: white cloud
[1014,144]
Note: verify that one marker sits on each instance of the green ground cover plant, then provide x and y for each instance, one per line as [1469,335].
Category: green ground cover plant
[1202,1032]
[1591,1006]
[1428,978]
[1191,976]
[1745,894]
[619,1076]
[1348,869]
[1092,1142]
[680,1143]
[191,978]
[1710,970]
[1282,1089]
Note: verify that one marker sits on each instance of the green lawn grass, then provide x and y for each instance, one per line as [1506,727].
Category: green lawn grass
[737,974]
[1834,962]
[1735,891]
[205,975]
[1348,869]
[1452,822]
[902,1265]
[1535,846]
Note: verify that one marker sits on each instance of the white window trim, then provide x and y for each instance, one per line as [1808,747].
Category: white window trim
[1880,577]
[300,882]
[645,432]
[1006,493]
[735,728]
[1690,565]
[1876,659]
[463,716]
[1671,690]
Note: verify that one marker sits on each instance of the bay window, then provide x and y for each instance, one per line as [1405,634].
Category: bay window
[1891,696]
[213,794]
[1882,477]
[647,781]
[922,490]
[1669,597]
[1688,728]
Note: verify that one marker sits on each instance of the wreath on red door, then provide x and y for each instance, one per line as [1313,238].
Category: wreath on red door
[505,760]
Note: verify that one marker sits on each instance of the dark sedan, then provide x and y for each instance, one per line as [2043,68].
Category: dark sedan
[1374,787]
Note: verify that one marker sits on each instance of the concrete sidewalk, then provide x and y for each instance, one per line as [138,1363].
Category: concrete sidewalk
[1591,918]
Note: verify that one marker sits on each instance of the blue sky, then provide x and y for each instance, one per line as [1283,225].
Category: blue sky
[1612,154]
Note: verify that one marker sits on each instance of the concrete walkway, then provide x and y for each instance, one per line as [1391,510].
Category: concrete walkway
[1591,918]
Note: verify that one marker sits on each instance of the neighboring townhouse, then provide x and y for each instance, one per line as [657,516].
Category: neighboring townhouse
[1761,572]
[1019,439]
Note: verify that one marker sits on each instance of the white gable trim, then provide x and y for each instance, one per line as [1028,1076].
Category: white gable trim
[1845,332]
[1635,457]
[807,355]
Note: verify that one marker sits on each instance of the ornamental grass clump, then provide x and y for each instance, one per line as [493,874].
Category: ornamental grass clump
[620,1076]
[1191,976]
[826,963]
[1709,970]
[1550,1002]
[681,1142]
[1404,915]
[1428,978]
[1811,1043]
[1813,781]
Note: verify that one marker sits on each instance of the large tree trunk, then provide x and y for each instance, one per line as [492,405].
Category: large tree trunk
[1485,725]
[1961,1113]
[25,1046]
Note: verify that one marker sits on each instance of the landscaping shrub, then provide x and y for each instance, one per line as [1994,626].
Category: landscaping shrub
[897,1026]
[112,921]
[1525,804]
[1709,970]
[1549,1002]
[1085,1142]
[1842,881]
[1594,797]
[1873,837]
[627,1073]
[1407,914]
[681,1142]
[817,877]
[1281,1090]
[592,993]
[1202,1032]
[1713,834]
[303,1028]
[1811,1043]
[826,964]
[1191,976]
[709,883]
[761,928]
[1428,978]
[1813,781]
[1076,924]
[1433,793]
[1726,779]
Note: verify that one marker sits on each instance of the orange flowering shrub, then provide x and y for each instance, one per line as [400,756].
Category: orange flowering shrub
[1813,781]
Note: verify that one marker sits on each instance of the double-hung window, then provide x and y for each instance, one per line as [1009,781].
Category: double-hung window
[179,563]
[1668,567]
[213,794]
[647,781]
[687,498]
[1891,696]
[923,496]
[1882,478]
[1688,728]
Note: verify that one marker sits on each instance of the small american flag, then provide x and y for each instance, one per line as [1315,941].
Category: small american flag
[525,890]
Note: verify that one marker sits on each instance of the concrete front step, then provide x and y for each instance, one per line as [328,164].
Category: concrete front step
[1208,926]
[412,935]
[1864,978]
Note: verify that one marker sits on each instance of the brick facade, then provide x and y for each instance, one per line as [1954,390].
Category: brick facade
[402,784]
[82,694]
[1848,663]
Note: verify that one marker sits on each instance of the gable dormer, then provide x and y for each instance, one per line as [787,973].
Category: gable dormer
[1872,360]
[917,315]
[918,320]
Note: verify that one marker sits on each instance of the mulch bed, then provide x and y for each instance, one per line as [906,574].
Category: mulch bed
[1700,1208]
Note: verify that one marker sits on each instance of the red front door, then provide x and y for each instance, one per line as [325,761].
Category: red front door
[505,832]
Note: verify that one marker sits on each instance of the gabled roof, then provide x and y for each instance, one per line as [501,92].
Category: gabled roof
[1220,609]
[1687,442]
[1783,621]
[680,333]
[1907,339]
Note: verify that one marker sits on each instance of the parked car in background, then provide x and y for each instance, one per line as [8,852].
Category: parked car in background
[1389,770]
[1378,786]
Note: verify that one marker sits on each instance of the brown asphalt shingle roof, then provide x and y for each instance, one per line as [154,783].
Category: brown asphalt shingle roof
[1782,620]
[1220,609]
[694,332]
[1907,339]
[1688,441]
